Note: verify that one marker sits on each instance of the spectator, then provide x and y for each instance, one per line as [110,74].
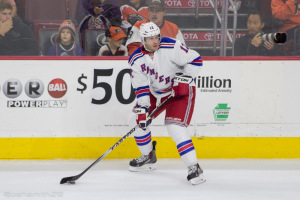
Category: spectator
[82,10]
[16,38]
[102,14]
[156,11]
[289,12]
[252,43]
[133,12]
[115,36]
[65,44]
[14,7]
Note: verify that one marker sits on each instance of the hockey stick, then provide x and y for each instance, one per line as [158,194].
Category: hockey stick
[72,179]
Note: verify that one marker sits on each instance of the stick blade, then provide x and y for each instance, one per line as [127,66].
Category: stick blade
[68,179]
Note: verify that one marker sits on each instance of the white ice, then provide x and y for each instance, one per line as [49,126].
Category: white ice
[232,179]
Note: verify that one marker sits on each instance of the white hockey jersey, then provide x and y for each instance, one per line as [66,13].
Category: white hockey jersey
[154,72]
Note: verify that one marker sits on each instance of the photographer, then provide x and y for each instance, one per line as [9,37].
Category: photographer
[253,44]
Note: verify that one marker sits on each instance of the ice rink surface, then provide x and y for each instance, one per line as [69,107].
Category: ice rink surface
[233,179]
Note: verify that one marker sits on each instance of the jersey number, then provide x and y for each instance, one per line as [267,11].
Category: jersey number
[184,48]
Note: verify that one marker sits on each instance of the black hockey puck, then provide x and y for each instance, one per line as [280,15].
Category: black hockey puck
[71,182]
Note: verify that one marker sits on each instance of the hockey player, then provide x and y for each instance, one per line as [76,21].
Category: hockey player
[161,67]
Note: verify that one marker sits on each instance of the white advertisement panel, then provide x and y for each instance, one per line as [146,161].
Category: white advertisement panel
[216,110]
[249,103]
[81,98]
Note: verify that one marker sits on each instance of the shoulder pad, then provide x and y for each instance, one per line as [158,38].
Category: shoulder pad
[135,56]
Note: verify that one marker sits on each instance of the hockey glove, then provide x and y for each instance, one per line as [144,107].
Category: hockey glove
[142,117]
[181,84]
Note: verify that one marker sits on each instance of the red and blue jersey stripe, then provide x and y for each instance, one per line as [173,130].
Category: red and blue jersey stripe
[166,46]
[136,55]
[167,43]
[197,62]
[185,147]
[143,140]
[163,91]
[142,91]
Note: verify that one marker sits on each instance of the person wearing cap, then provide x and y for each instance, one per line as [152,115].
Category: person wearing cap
[157,12]
[65,44]
[115,36]
[16,38]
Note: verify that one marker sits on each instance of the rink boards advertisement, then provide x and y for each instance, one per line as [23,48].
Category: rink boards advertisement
[78,108]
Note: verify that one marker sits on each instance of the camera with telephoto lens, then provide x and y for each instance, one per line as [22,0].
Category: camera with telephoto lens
[276,37]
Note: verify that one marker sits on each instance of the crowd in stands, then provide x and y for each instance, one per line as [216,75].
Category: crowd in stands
[120,23]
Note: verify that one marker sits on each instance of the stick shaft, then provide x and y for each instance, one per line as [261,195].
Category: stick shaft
[74,178]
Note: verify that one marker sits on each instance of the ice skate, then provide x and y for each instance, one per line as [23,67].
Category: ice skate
[144,162]
[195,175]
